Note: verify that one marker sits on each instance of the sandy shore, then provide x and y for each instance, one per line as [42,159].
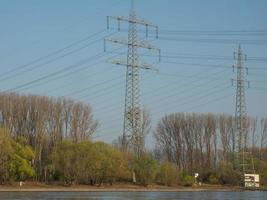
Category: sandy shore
[28,187]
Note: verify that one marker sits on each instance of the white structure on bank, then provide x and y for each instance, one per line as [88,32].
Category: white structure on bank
[252,180]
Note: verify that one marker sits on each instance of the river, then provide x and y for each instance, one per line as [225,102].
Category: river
[133,195]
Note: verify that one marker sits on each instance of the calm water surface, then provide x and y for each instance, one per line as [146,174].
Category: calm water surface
[132,195]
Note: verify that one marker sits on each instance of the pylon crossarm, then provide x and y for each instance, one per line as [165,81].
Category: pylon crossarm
[139,65]
[136,21]
[139,43]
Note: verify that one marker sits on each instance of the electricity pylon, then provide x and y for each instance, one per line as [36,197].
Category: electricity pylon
[132,133]
[244,158]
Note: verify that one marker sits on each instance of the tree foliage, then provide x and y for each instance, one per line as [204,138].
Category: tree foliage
[145,168]
[91,163]
[167,174]
[44,123]
[49,139]
[15,159]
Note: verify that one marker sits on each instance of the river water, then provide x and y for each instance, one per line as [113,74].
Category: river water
[133,195]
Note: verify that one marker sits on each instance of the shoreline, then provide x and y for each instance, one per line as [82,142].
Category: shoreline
[116,188]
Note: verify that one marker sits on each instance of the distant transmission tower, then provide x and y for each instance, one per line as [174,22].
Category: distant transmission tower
[132,113]
[244,159]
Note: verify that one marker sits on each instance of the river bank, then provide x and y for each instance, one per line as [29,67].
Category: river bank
[40,187]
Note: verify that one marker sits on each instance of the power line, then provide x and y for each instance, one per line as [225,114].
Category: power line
[103,91]
[51,60]
[194,106]
[205,77]
[205,57]
[219,31]
[187,89]
[98,11]
[18,68]
[205,95]
[212,40]
[66,69]
[167,85]
[66,85]
[207,65]
[209,94]
[45,63]
[112,107]
[216,32]
[176,103]
[192,98]
[92,86]
[200,57]
[208,32]
[211,101]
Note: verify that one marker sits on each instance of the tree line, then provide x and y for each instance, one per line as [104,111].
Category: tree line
[44,123]
[205,142]
[50,139]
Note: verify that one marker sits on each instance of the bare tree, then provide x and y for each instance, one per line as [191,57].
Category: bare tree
[263,134]
[137,143]
[44,122]
[193,141]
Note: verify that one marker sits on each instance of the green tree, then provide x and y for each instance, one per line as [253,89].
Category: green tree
[145,169]
[227,175]
[5,155]
[112,164]
[185,179]
[167,174]
[20,167]
[89,163]
[15,159]
[261,168]
[65,161]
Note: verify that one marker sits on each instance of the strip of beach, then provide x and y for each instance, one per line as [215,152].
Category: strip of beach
[39,187]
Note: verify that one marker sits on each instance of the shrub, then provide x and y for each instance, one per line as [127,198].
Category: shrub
[145,169]
[212,179]
[261,168]
[167,174]
[15,159]
[88,163]
[227,174]
[185,179]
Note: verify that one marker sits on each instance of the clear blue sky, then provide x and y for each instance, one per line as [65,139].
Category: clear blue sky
[196,83]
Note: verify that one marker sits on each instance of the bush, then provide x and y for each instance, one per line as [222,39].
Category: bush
[261,169]
[185,179]
[88,163]
[167,174]
[145,169]
[15,159]
[227,174]
[212,179]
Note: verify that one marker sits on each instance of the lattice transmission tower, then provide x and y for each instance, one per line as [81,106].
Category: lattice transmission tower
[132,130]
[244,159]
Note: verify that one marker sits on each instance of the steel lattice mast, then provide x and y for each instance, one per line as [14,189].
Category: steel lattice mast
[132,112]
[240,109]
[244,159]
[132,115]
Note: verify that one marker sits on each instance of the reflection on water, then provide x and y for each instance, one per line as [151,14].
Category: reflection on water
[132,195]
